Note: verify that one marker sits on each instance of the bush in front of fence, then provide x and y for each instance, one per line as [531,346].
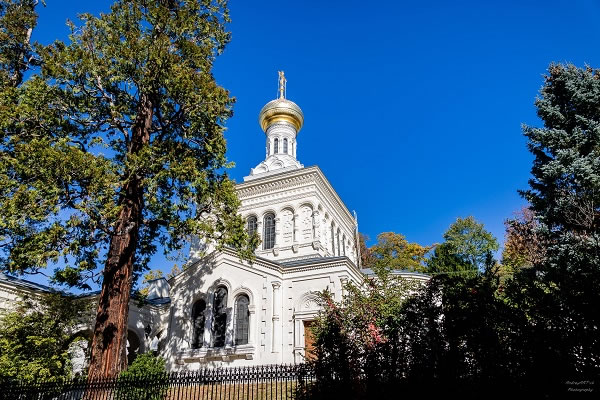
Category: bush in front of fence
[145,379]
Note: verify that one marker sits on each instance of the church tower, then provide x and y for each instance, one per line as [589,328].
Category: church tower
[294,209]
[281,120]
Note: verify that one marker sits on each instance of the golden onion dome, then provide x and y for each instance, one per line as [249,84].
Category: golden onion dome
[278,110]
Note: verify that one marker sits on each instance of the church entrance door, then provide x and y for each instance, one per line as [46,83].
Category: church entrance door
[309,340]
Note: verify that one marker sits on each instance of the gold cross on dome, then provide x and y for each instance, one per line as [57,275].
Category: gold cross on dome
[282,82]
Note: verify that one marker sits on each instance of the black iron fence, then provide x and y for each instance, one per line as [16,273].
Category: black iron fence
[270,382]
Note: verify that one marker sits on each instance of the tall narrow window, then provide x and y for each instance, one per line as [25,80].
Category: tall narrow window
[269,231]
[242,319]
[219,317]
[276,146]
[268,147]
[285,145]
[252,222]
[338,242]
[198,319]
[332,239]
[344,245]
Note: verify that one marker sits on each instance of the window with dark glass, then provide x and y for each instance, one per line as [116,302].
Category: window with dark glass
[198,319]
[285,146]
[242,319]
[269,231]
[338,242]
[268,147]
[344,245]
[219,317]
[276,146]
[252,223]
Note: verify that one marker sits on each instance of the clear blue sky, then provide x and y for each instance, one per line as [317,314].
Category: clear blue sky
[412,109]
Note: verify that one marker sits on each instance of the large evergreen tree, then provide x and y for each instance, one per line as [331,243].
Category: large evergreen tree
[113,147]
[560,292]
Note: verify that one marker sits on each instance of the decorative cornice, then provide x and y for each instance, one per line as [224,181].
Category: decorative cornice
[275,267]
[274,183]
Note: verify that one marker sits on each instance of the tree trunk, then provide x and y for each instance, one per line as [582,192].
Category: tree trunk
[109,344]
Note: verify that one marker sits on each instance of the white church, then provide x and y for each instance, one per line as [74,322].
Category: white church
[221,311]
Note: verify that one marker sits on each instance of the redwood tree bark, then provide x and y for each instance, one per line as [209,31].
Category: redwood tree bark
[109,344]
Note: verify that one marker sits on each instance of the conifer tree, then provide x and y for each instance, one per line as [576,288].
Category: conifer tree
[562,287]
[114,147]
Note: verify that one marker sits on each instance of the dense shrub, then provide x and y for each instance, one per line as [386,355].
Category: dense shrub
[454,335]
[146,378]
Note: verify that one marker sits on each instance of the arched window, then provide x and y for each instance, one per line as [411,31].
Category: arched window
[198,319]
[269,231]
[219,317]
[276,146]
[242,319]
[285,145]
[344,245]
[338,242]
[252,223]
[332,239]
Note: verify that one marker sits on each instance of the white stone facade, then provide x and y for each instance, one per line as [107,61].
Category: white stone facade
[314,249]
[281,297]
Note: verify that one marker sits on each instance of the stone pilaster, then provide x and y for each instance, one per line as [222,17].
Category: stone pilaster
[276,318]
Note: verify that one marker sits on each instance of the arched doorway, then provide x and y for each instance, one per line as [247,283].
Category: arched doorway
[306,311]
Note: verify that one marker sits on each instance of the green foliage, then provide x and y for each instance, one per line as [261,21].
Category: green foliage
[145,364]
[67,139]
[17,20]
[393,251]
[146,378]
[560,291]
[35,337]
[467,247]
